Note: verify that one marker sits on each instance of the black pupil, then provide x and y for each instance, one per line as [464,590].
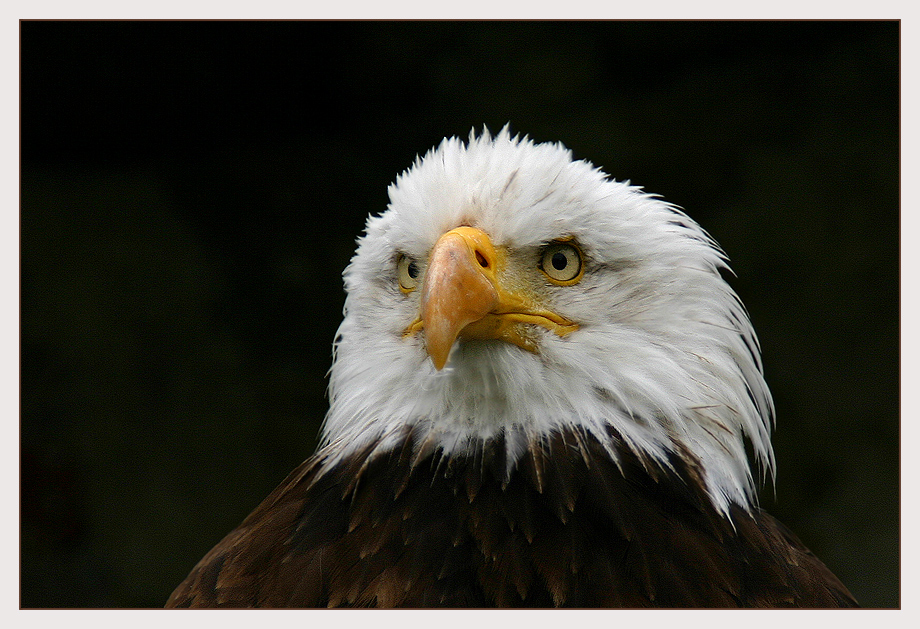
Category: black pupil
[559,261]
[412,270]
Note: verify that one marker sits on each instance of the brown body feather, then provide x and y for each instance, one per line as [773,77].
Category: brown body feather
[567,526]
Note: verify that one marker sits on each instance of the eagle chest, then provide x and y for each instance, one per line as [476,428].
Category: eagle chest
[567,526]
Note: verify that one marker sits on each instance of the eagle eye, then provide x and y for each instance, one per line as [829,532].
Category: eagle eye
[408,271]
[562,263]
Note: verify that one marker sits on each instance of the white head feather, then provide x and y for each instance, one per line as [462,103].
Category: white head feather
[665,353]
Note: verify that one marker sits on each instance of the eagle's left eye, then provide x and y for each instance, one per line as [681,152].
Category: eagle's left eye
[408,272]
[562,263]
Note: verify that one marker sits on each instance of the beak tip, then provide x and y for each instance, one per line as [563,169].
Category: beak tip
[439,359]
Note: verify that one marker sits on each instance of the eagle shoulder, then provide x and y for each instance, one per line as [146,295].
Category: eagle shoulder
[568,526]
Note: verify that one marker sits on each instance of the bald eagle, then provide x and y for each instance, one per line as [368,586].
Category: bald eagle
[540,396]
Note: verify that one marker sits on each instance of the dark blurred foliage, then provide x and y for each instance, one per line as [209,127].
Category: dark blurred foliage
[191,193]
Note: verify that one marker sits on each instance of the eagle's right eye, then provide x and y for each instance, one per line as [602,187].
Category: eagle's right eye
[408,271]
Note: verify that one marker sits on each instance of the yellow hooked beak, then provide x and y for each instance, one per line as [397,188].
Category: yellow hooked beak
[463,297]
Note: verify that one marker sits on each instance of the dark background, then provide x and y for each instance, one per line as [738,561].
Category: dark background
[191,193]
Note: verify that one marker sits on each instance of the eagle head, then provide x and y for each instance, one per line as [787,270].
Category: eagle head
[512,291]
